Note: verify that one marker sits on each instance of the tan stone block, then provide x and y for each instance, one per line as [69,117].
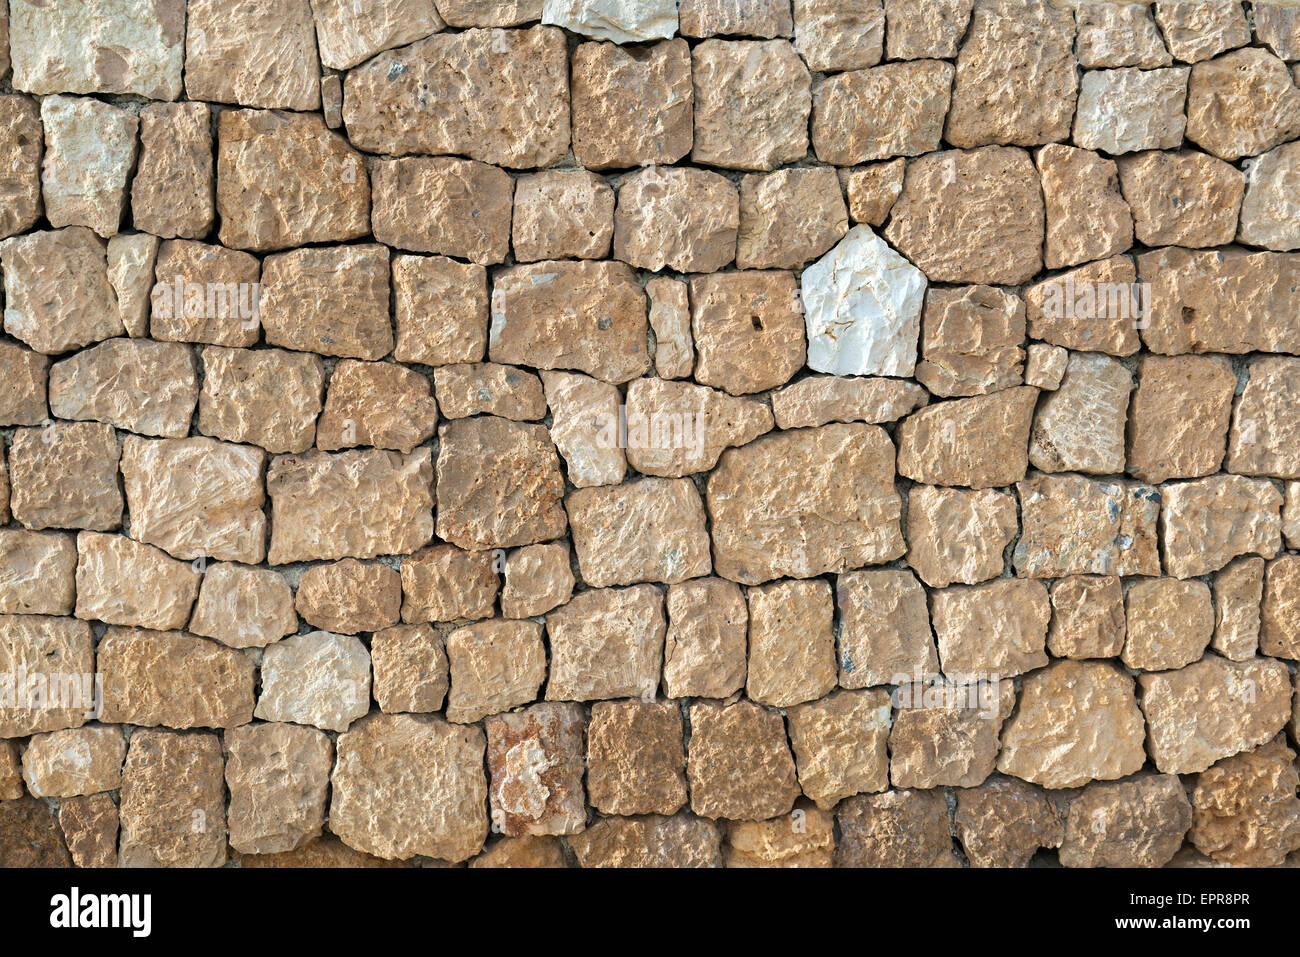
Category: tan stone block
[980,442]
[76,761]
[350,31]
[380,404]
[265,397]
[90,826]
[90,148]
[739,763]
[441,309]
[753,18]
[1094,308]
[818,400]
[606,643]
[491,389]
[1279,633]
[994,630]
[1223,97]
[1088,218]
[895,829]
[319,678]
[173,810]
[57,294]
[1071,525]
[140,386]
[205,293]
[1118,34]
[278,775]
[537,579]
[1206,523]
[804,838]
[1140,822]
[586,417]
[748,329]
[57,649]
[562,214]
[681,218]
[892,110]
[1004,821]
[349,596]
[535,763]
[1178,419]
[957,535]
[410,669]
[925,28]
[971,341]
[446,583]
[329,300]
[873,190]
[1182,199]
[1238,590]
[1126,110]
[636,761]
[1170,623]
[244,607]
[37,572]
[125,582]
[1196,30]
[682,840]
[1080,426]
[840,743]
[252,52]
[454,207]
[1244,809]
[527,851]
[23,391]
[705,645]
[839,35]
[22,141]
[1087,617]
[495,666]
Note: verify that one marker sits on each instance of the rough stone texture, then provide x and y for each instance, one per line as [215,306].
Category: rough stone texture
[682,840]
[259,54]
[1244,809]
[1182,199]
[649,530]
[752,102]
[846,514]
[562,214]
[131,259]
[873,190]
[90,148]
[1170,623]
[173,801]
[278,775]
[137,385]
[410,669]
[23,391]
[739,763]
[1265,425]
[532,852]
[1140,822]
[535,763]
[1242,104]
[349,596]
[971,216]
[196,498]
[57,294]
[748,331]
[319,678]
[537,579]
[998,629]
[64,475]
[1291,515]
[622,21]
[1071,525]
[264,397]
[805,838]
[586,316]
[172,192]
[1088,218]
[677,428]
[11,774]
[891,110]
[37,572]
[1003,822]
[1280,611]
[1015,75]
[48,646]
[789,217]
[1238,589]
[791,643]
[499,484]
[355,504]
[446,583]
[1080,426]
[839,35]
[685,219]
[610,83]
[327,851]
[90,826]
[21,145]
[585,423]
[1213,709]
[980,442]
[1118,34]
[1178,417]
[948,734]
[330,300]
[244,607]
[350,31]
[408,784]
[971,340]
[1229,300]
[376,403]
[818,400]
[705,644]
[31,836]
[441,310]
[443,205]
[1126,110]
[1269,210]
[1077,721]
[926,28]
[885,636]
[956,535]
[124,582]
[265,202]
[670,319]
[173,679]
[1087,617]
[127,46]
[1200,29]
[65,764]
[862,307]
[502,98]
[1093,308]
[495,666]
[205,293]
[1277,23]
[1206,523]
[894,829]
[606,643]
[840,744]
[636,763]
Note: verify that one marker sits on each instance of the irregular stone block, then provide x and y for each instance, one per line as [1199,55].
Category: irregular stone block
[90,148]
[137,385]
[606,643]
[410,669]
[255,54]
[791,643]
[173,811]
[818,400]
[894,829]
[205,293]
[685,219]
[446,583]
[124,582]
[1223,104]
[884,636]
[329,300]
[61,652]
[537,579]
[678,428]
[348,597]
[57,294]
[65,764]
[1087,617]
[1244,809]
[244,607]
[748,331]
[495,666]
[839,35]
[1140,822]
[1178,418]
[441,308]
[980,442]
[352,31]
[586,418]
[1170,623]
[739,763]
[318,678]
[622,21]
[705,645]
[971,338]
[264,397]
[1127,110]
[1080,426]
[64,475]
[37,572]
[682,840]
[1071,525]
[636,762]
[840,743]
[1003,822]
[380,404]
[278,775]
[956,535]
[535,763]
[443,205]
[1088,218]
[892,110]
[562,214]
[1206,523]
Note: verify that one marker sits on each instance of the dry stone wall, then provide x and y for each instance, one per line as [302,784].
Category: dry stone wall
[649,433]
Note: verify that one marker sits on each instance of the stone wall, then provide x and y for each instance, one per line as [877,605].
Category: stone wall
[593,432]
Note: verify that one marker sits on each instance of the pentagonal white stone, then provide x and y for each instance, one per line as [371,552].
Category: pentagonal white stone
[623,21]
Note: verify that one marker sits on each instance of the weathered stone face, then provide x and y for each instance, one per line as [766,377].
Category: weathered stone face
[1077,721]
[1208,522]
[818,400]
[847,514]
[1118,34]
[1090,309]
[173,812]
[535,765]
[142,386]
[376,403]
[998,629]
[1087,617]
[407,784]
[90,825]
[21,143]
[1223,94]
[1170,623]
[1238,589]
[956,535]
[23,393]
[264,397]
[1279,633]
[89,150]
[1126,110]
[892,110]
[503,98]
[980,442]
[124,582]
[57,294]
[789,217]
[255,54]
[778,843]
[495,666]
[1268,210]
[707,18]
[1244,809]
[682,840]
[748,331]
[791,643]
[636,761]
[885,636]
[1182,199]
[47,646]
[173,679]
[37,572]
[349,596]
[410,669]
[1080,426]
[835,35]
[321,679]
[537,579]
[971,341]
[1235,706]
[1088,218]
[894,829]
[1140,822]
[677,428]
[278,775]
[1003,822]
[606,643]
[947,735]
[205,293]
[1178,418]
[998,236]
[443,205]
[685,219]
[131,260]
[349,31]
[446,583]
[705,645]
[562,214]
[441,309]
[244,607]
[330,300]
[739,764]
[840,744]
[1071,525]
[172,194]
[64,475]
